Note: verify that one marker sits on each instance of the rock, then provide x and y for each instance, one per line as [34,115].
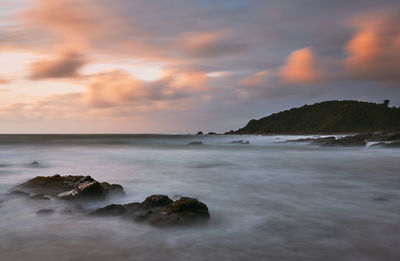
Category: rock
[380,199]
[39,197]
[44,212]
[316,141]
[19,193]
[212,133]
[159,210]
[69,187]
[34,164]
[348,141]
[240,142]
[200,133]
[85,190]
[195,143]
[116,189]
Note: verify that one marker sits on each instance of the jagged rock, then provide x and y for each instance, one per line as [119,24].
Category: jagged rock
[200,133]
[159,210]
[69,187]
[195,143]
[348,141]
[44,212]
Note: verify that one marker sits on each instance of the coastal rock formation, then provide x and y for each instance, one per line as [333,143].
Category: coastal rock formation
[387,140]
[159,210]
[68,187]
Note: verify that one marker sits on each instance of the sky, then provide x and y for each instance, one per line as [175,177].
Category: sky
[181,66]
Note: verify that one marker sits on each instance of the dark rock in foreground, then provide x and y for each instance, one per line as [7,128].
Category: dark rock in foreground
[159,210]
[69,188]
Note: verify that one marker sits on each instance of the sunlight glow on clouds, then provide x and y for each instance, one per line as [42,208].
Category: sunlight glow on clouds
[147,66]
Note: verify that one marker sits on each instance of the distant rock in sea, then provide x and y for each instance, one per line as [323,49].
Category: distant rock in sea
[240,142]
[195,143]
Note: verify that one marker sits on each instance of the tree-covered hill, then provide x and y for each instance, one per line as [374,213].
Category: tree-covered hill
[328,117]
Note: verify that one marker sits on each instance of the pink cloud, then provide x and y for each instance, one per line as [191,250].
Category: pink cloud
[374,51]
[300,67]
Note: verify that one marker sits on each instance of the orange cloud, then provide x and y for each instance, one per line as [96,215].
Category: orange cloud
[374,51]
[300,67]
[210,44]
[66,65]
[4,80]
[118,88]
[256,79]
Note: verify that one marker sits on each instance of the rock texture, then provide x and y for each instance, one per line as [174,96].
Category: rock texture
[69,188]
[159,210]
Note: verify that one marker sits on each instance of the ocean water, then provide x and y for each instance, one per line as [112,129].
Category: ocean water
[268,200]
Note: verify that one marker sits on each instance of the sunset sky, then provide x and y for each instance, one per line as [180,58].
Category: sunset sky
[180,66]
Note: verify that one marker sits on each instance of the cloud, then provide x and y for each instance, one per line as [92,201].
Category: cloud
[65,65]
[4,80]
[257,79]
[374,51]
[210,44]
[300,67]
[118,88]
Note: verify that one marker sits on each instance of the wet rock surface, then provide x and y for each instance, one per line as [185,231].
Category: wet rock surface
[68,188]
[159,210]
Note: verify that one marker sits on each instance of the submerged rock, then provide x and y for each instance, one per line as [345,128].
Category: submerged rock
[240,142]
[159,210]
[34,164]
[44,212]
[195,143]
[69,187]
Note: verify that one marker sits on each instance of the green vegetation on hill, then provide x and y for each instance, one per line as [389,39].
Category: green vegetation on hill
[328,117]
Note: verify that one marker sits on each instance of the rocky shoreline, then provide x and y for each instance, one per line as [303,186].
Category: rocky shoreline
[379,139]
[78,191]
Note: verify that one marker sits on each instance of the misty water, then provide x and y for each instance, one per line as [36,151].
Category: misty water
[268,200]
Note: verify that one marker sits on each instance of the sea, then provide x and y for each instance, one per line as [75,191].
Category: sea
[268,200]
